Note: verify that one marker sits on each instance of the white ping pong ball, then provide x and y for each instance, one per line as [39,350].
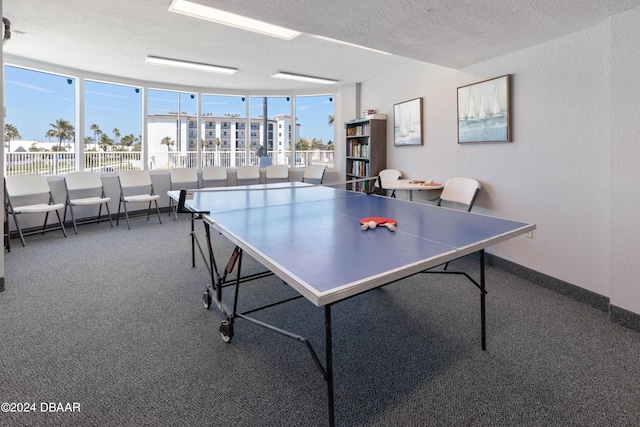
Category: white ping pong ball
[372,224]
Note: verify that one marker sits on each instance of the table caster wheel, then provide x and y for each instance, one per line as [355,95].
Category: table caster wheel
[206,299]
[226,331]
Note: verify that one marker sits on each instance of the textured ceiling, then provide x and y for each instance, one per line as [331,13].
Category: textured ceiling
[114,37]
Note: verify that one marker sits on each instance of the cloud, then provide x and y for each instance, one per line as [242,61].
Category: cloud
[40,89]
[107,94]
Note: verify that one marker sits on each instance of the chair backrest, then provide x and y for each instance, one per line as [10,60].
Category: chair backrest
[313,174]
[26,185]
[387,175]
[134,178]
[183,176]
[82,180]
[248,174]
[214,176]
[277,173]
[460,190]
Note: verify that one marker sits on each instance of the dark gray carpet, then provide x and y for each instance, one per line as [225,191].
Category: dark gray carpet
[112,319]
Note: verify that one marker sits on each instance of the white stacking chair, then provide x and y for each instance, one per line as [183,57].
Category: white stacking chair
[136,186]
[214,176]
[277,173]
[85,189]
[248,175]
[385,176]
[459,193]
[31,194]
[181,179]
[313,174]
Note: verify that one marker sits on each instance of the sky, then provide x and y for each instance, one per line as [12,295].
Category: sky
[35,100]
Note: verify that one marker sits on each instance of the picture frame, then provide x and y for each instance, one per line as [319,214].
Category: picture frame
[484,111]
[407,123]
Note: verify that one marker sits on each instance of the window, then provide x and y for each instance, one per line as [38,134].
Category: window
[41,114]
[169,143]
[113,122]
[314,131]
[224,146]
[268,113]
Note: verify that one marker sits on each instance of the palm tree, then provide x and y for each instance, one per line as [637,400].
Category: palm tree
[127,140]
[105,142]
[330,120]
[116,135]
[88,140]
[302,144]
[62,129]
[168,142]
[10,133]
[96,132]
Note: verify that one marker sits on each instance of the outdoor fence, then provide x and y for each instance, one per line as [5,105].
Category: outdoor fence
[55,163]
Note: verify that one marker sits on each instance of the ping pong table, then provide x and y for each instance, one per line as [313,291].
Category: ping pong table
[279,225]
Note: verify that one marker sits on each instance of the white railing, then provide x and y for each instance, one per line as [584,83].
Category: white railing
[112,161]
[55,163]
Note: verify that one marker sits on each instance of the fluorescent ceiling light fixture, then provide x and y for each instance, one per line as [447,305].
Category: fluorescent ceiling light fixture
[299,77]
[226,18]
[351,44]
[190,65]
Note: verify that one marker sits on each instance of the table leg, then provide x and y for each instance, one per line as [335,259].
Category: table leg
[329,364]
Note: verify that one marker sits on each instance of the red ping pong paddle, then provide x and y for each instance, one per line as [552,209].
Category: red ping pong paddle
[390,223]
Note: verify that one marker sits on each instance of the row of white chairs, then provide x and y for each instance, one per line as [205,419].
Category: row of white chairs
[31,194]
[217,176]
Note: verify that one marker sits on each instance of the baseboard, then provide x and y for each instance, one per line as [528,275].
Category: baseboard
[617,315]
[624,317]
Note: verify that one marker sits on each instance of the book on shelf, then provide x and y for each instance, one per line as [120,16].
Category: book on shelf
[357,149]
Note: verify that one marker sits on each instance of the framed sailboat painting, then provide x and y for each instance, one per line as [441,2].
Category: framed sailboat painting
[484,111]
[407,122]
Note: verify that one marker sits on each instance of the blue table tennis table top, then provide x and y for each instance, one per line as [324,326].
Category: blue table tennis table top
[310,236]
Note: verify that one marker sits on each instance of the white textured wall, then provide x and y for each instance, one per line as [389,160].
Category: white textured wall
[625,162]
[565,158]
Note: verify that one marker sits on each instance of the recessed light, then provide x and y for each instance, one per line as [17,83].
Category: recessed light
[302,78]
[190,65]
[226,18]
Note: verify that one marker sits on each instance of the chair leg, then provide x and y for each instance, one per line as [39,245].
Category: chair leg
[64,230]
[7,235]
[73,218]
[15,220]
[118,216]
[106,205]
[126,214]
[157,210]
[46,218]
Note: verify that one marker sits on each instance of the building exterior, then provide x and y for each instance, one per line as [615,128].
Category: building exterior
[230,131]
